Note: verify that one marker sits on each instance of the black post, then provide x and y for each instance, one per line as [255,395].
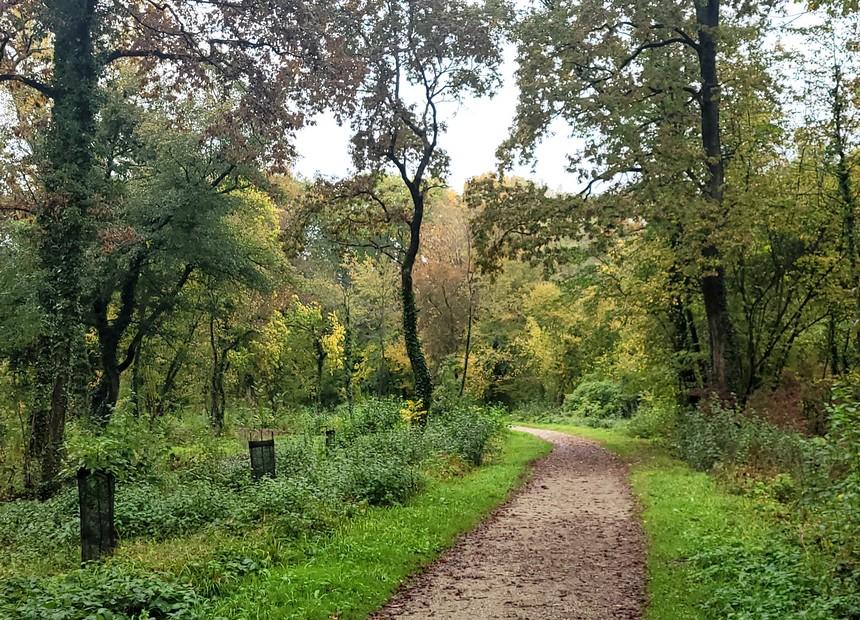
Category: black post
[262,458]
[96,500]
[329,438]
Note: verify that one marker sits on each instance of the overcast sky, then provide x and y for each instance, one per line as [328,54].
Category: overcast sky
[475,130]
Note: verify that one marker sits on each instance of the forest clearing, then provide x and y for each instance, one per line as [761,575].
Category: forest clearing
[441,309]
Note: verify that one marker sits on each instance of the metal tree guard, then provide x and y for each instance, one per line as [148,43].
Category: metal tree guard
[96,500]
[262,457]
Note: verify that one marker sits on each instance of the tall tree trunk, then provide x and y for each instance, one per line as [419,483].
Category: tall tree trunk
[106,395]
[846,196]
[62,227]
[176,362]
[724,354]
[420,372]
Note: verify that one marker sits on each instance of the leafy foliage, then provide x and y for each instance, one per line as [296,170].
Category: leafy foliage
[102,592]
[600,399]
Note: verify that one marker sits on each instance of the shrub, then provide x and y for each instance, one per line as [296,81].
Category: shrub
[381,468]
[371,416]
[833,480]
[98,592]
[775,583]
[465,431]
[128,448]
[30,529]
[297,457]
[716,434]
[224,569]
[147,510]
[706,438]
[295,506]
[600,398]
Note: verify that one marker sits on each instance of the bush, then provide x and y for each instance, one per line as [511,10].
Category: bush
[465,431]
[716,434]
[600,398]
[128,448]
[98,592]
[380,469]
[297,457]
[30,529]
[224,569]
[775,583]
[371,416]
[832,490]
[147,510]
[295,506]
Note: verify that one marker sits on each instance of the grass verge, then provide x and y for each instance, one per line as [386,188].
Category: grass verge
[684,513]
[353,572]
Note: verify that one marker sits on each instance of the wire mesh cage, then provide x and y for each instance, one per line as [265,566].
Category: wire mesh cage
[262,458]
[96,500]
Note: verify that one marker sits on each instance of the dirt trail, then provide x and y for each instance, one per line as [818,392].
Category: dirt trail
[568,545]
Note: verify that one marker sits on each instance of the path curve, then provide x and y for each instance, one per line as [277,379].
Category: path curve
[568,546]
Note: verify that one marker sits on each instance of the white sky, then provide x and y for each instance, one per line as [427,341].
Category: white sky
[475,130]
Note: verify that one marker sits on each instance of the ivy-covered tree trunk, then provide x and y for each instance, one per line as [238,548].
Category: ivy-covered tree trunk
[62,227]
[217,394]
[320,354]
[847,197]
[724,354]
[420,372]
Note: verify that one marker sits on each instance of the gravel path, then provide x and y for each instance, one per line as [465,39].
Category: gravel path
[568,545]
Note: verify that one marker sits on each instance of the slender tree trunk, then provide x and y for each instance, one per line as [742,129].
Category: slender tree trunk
[468,346]
[137,381]
[320,354]
[724,355]
[382,373]
[832,346]
[420,372]
[348,362]
[62,227]
[106,395]
[176,362]
[216,382]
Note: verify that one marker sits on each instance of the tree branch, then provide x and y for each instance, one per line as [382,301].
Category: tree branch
[43,88]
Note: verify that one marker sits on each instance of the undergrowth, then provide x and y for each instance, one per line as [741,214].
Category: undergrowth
[194,526]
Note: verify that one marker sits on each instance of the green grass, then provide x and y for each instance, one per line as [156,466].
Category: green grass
[683,512]
[352,572]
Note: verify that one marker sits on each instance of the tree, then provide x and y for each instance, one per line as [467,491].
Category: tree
[629,78]
[418,55]
[447,283]
[325,335]
[64,50]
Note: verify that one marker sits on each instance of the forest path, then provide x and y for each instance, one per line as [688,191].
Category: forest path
[568,545]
